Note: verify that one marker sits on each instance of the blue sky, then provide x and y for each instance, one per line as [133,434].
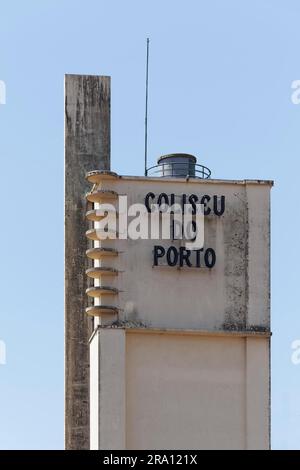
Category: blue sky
[220,88]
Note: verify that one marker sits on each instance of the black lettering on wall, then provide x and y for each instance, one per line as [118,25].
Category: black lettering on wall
[147,202]
[205,200]
[159,252]
[209,258]
[184,256]
[219,205]
[198,257]
[192,200]
[172,256]
[163,199]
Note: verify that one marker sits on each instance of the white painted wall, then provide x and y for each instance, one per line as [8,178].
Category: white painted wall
[187,363]
[107,392]
[196,392]
[234,294]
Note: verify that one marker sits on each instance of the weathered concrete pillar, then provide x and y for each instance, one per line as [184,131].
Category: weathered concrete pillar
[87,147]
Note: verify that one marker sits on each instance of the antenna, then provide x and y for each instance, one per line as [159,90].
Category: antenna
[146,107]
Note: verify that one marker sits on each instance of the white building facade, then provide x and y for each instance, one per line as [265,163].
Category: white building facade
[180,353]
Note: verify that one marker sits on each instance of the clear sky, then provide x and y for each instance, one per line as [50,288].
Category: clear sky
[220,88]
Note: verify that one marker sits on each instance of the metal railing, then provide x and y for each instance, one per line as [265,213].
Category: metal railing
[179,170]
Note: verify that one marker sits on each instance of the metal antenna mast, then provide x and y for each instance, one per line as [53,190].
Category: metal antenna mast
[146,108]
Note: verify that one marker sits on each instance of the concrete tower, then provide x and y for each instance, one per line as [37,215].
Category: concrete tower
[181,342]
[87,146]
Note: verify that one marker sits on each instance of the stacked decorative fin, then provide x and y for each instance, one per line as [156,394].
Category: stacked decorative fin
[103,273]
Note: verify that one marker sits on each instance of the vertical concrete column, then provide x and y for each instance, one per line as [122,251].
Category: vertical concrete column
[108,389]
[257,393]
[258,255]
[87,147]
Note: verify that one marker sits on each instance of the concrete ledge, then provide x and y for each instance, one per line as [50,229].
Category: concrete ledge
[176,331]
[196,180]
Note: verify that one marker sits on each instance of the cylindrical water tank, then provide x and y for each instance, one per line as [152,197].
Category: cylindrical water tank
[177,165]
